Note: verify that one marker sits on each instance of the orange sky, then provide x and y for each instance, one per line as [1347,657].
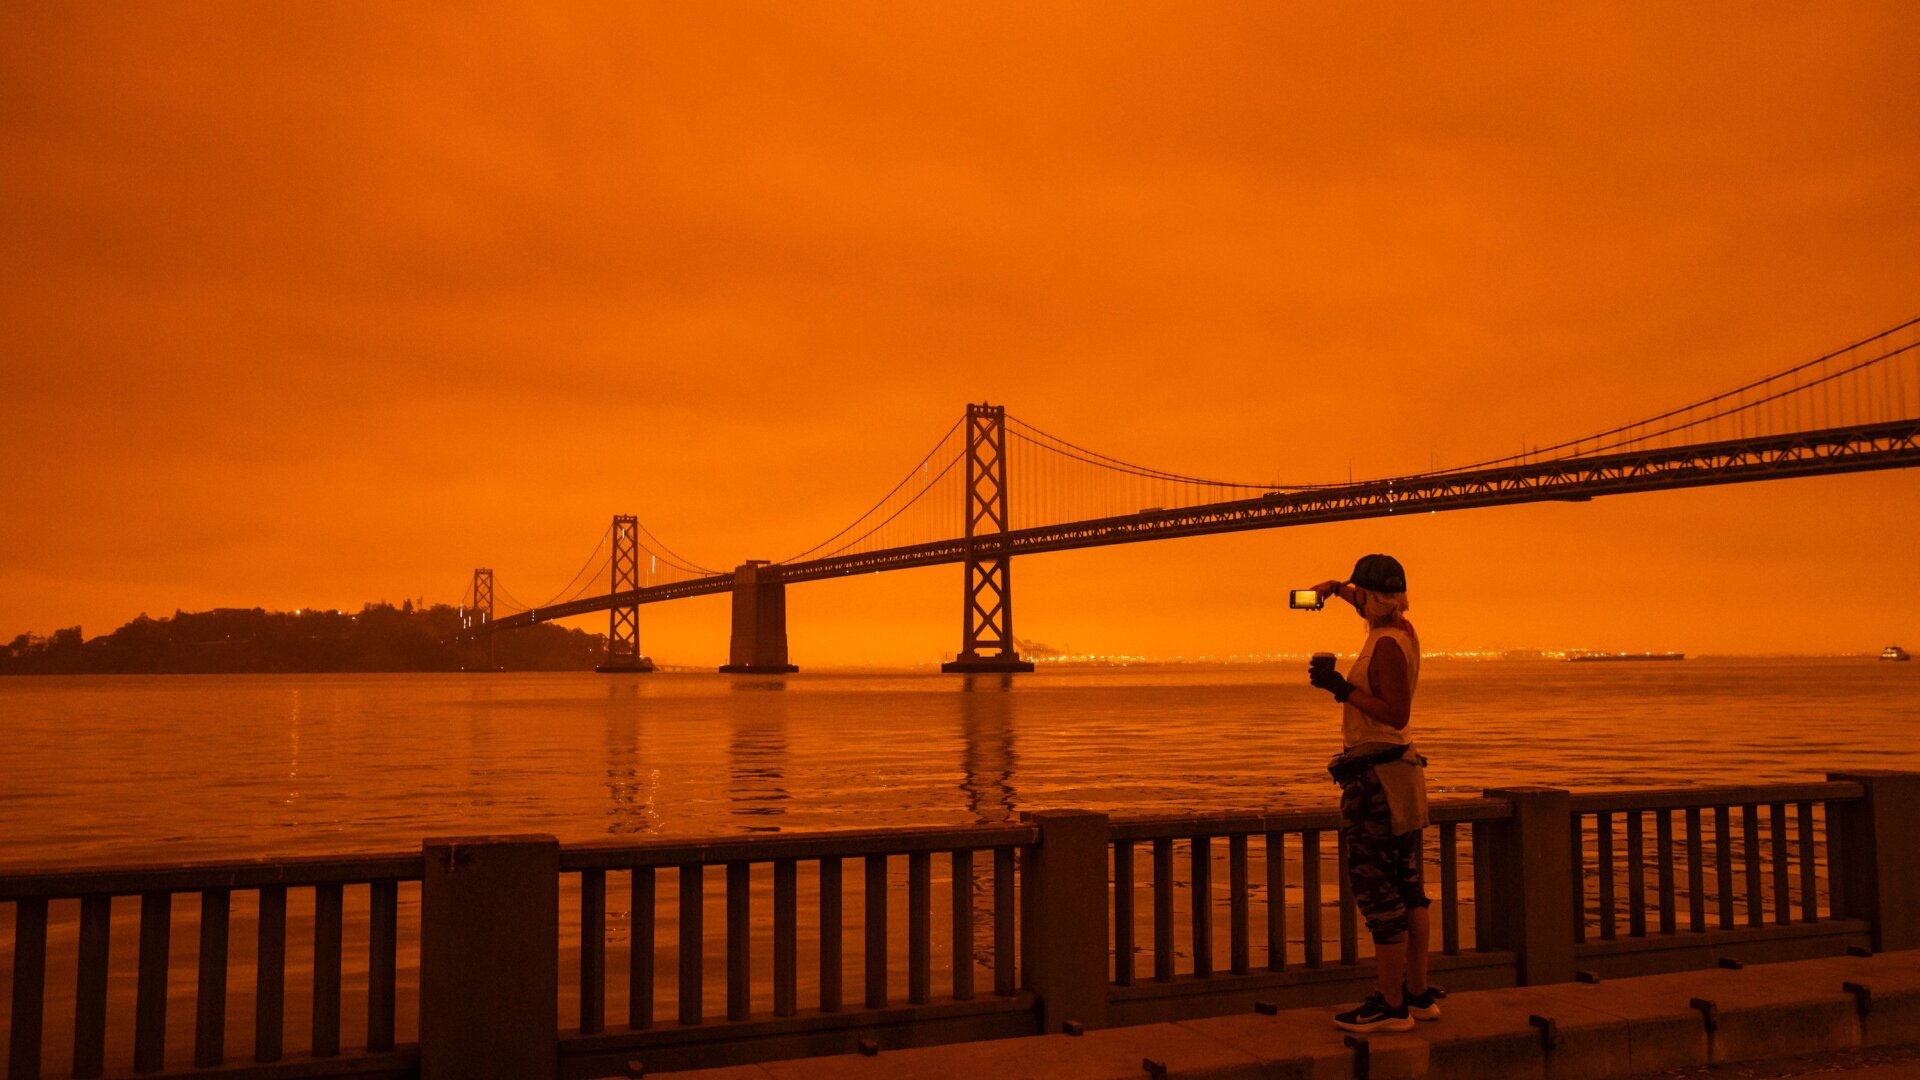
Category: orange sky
[316,304]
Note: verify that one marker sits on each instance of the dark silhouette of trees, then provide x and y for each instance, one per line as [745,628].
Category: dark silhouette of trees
[379,637]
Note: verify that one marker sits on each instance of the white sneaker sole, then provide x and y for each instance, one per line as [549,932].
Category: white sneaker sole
[1431,1012]
[1382,1025]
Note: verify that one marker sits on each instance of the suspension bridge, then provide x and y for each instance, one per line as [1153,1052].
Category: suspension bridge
[994,487]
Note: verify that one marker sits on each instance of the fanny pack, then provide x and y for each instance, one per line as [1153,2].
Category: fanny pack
[1350,765]
[1401,773]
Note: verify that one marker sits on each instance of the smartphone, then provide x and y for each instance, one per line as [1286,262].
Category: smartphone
[1306,599]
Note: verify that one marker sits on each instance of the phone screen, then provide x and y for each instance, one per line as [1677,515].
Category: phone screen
[1304,598]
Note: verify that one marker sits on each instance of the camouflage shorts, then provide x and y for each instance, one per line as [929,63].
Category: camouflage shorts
[1384,870]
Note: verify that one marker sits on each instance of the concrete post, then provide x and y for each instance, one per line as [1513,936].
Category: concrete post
[489,959]
[1063,906]
[759,645]
[1872,857]
[1529,856]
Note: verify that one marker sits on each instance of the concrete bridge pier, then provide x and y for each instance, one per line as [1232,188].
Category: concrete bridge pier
[759,645]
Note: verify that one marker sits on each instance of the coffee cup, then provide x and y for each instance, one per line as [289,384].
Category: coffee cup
[1323,661]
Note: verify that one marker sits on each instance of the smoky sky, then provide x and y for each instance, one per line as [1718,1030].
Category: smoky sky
[312,305]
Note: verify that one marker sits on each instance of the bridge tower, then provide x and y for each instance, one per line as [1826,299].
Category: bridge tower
[986,628]
[479,641]
[623,620]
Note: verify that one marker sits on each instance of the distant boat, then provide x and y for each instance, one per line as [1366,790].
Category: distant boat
[1591,657]
[1894,652]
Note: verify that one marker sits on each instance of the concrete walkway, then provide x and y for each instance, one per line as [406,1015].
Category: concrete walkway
[1623,1028]
[1864,1063]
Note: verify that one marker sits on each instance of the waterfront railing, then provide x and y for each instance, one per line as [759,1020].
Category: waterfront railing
[763,1016]
[1719,868]
[317,888]
[1279,867]
[485,956]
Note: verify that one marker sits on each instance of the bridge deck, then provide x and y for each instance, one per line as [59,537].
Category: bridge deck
[1857,448]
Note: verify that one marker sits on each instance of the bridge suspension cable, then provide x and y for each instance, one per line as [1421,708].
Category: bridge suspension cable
[887,523]
[1058,445]
[1831,390]
[505,600]
[665,554]
[580,576]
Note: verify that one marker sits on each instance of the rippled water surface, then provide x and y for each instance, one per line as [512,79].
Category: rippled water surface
[136,769]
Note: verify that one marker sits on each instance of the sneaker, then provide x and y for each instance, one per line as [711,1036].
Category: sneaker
[1423,1006]
[1374,1014]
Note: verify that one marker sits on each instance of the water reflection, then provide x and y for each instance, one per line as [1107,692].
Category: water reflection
[987,757]
[482,779]
[293,760]
[631,784]
[757,752]
[986,780]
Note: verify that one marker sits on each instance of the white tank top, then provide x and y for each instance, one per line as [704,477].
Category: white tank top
[1357,727]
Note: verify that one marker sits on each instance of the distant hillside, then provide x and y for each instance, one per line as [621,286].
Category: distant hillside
[379,637]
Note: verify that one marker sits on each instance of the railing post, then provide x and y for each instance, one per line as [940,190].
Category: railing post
[489,958]
[1063,902]
[1873,863]
[1532,902]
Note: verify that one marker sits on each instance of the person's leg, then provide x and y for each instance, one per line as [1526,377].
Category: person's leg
[1403,962]
[1371,853]
[1392,960]
[1409,878]
[1370,874]
[1416,951]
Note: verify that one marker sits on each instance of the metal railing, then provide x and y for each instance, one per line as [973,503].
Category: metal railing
[766,874]
[263,886]
[1743,864]
[1210,912]
[1057,911]
[1280,862]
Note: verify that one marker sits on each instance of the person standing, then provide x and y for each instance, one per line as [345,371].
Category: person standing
[1383,794]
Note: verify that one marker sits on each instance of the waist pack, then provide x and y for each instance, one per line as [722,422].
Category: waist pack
[1400,773]
[1350,765]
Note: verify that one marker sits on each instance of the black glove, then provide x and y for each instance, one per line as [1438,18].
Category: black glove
[1331,681]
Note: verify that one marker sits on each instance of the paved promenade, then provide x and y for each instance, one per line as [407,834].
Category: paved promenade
[1619,1028]
[1861,1063]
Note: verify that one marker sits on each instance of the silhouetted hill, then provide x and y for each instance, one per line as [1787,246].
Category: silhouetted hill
[380,637]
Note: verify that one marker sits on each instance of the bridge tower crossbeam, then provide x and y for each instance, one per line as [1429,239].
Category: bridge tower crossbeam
[623,620]
[986,627]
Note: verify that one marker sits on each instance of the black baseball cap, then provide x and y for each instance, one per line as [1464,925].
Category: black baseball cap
[1379,573]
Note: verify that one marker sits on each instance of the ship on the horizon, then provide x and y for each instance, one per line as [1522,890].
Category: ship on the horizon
[1894,652]
[1589,657]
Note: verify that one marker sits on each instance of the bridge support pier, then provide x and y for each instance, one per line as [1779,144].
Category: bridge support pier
[986,628]
[759,645]
[623,620]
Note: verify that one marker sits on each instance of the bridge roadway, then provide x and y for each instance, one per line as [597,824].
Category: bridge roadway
[1858,448]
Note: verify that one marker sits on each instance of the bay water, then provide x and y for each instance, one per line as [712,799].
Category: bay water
[101,771]
[110,770]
